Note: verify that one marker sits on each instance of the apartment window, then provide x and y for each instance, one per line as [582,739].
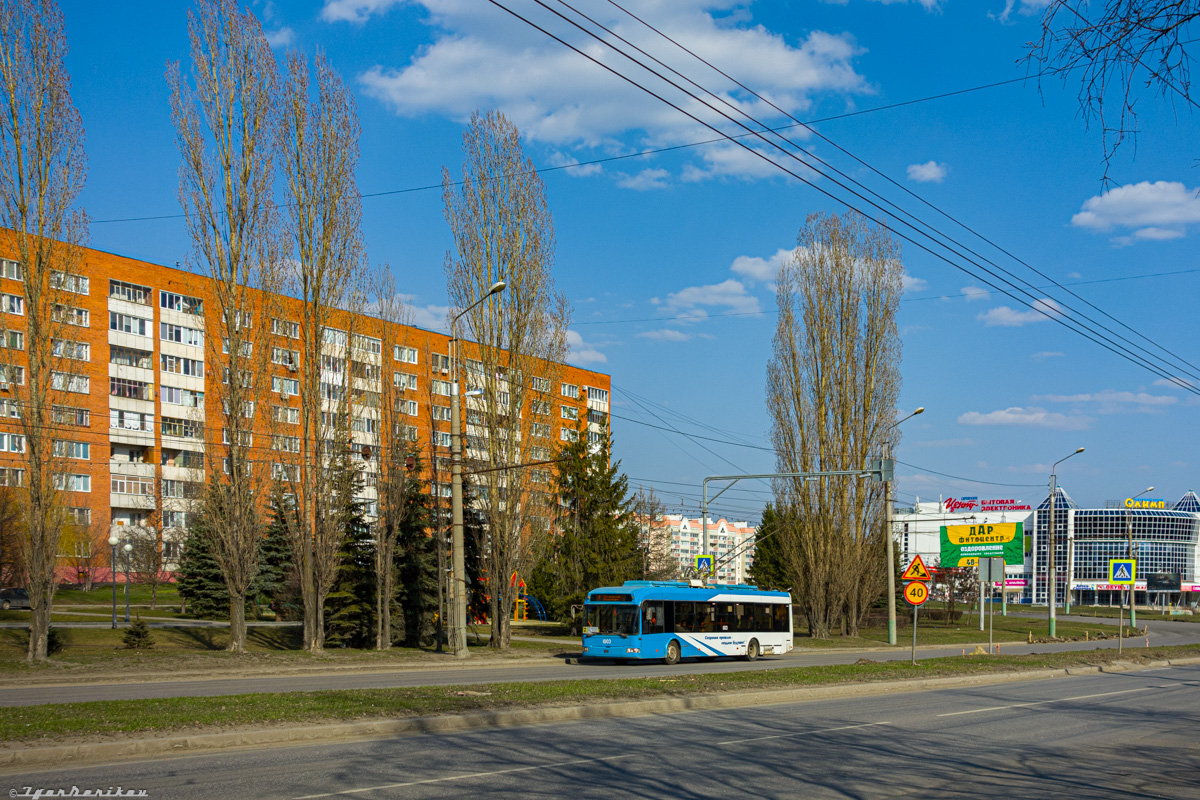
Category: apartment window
[570,390]
[442,438]
[79,317]
[72,483]
[70,382]
[173,395]
[180,490]
[181,334]
[12,374]
[440,387]
[439,362]
[405,355]
[540,407]
[131,420]
[128,484]
[285,386]
[79,450]
[595,437]
[283,327]
[287,444]
[332,391]
[367,344]
[334,337]
[70,415]
[174,519]
[130,292]
[11,476]
[283,472]
[135,390]
[185,459]
[79,351]
[408,407]
[124,323]
[11,270]
[569,412]
[333,365]
[80,516]
[247,408]
[541,430]
[540,453]
[247,348]
[13,340]
[179,365]
[568,435]
[599,395]
[286,414]
[404,381]
[288,358]
[181,428]
[597,417]
[181,302]
[69,282]
[441,413]
[474,417]
[539,384]
[10,408]
[366,372]
[12,303]
[245,438]
[245,375]
[12,443]
[540,476]
[473,367]
[129,357]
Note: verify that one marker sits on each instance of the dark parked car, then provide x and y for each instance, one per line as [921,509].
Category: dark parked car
[14,598]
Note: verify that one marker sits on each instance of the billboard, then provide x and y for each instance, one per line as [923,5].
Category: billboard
[964,545]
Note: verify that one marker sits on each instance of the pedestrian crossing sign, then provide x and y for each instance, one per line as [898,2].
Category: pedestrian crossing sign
[1122,571]
[704,564]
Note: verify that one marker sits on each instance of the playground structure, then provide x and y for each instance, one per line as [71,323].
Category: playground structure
[525,602]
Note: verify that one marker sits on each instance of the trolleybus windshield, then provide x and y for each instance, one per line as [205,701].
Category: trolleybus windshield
[619,620]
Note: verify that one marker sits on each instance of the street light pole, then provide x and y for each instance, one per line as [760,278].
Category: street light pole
[891,542]
[128,548]
[1051,573]
[458,591]
[113,541]
[1129,554]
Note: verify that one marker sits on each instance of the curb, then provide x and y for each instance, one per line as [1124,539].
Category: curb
[108,752]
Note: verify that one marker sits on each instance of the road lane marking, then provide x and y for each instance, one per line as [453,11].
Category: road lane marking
[803,733]
[1044,702]
[466,777]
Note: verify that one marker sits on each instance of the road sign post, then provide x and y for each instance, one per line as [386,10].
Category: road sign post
[1123,572]
[990,571]
[915,594]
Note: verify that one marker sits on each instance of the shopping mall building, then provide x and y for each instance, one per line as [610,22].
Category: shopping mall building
[1165,539]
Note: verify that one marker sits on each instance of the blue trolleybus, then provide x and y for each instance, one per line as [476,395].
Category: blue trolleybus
[670,620]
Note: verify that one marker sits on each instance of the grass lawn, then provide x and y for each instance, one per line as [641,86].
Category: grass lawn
[1007,629]
[52,723]
[1113,613]
[102,596]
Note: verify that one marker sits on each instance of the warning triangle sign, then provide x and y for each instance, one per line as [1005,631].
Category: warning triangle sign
[1121,572]
[916,571]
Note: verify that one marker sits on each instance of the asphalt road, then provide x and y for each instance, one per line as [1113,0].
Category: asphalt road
[1097,736]
[1162,633]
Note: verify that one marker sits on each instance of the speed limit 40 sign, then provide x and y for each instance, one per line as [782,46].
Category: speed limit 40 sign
[916,593]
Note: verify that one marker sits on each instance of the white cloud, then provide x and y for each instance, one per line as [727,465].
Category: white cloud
[1025,8]
[973,293]
[354,10]
[431,317]
[1110,401]
[690,303]
[665,335]
[1074,275]
[760,270]
[1005,317]
[281,38]
[1031,417]
[573,167]
[481,57]
[1174,382]
[959,442]
[644,180]
[929,172]
[582,352]
[1044,354]
[911,283]
[1154,211]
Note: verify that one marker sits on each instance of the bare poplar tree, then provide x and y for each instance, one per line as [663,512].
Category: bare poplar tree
[832,385]
[655,537]
[1119,47]
[44,167]
[502,229]
[439,506]
[225,120]
[319,154]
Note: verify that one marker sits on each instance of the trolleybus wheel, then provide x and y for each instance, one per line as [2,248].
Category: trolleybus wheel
[672,656]
[752,650]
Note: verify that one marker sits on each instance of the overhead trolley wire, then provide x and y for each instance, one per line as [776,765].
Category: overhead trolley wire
[1063,320]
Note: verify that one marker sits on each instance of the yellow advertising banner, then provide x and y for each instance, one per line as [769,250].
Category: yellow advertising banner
[964,545]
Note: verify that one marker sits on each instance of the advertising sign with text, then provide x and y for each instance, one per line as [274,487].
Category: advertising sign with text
[964,545]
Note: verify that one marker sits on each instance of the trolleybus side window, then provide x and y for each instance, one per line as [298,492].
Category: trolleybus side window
[653,617]
[781,617]
[685,616]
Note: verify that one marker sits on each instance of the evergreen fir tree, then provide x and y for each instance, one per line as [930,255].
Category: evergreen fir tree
[768,570]
[138,636]
[416,572]
[350,606]
[199,578]
[277,586]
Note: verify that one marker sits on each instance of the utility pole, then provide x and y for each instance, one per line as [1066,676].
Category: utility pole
[1129,554]
[1052,576]
[458,591]
[887,469]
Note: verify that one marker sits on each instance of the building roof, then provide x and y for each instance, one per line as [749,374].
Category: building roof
[1189,502]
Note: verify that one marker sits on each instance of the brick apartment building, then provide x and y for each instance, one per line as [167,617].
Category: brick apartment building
[131,380]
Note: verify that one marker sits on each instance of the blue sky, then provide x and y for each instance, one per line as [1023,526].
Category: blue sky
[667,257]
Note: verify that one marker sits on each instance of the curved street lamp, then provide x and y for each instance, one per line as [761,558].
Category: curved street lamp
[891,545]
[128,548]
[113,541]
[1129,554]
[1051,573]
